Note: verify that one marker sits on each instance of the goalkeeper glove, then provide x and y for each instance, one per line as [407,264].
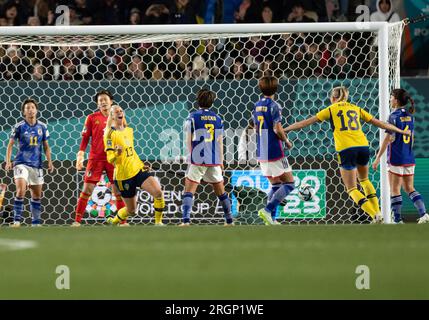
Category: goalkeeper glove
[79,160]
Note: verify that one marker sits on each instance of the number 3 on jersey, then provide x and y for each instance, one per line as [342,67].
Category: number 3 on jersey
[210,130]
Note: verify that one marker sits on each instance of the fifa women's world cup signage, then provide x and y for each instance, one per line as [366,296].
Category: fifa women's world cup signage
[294,206]
[248,190]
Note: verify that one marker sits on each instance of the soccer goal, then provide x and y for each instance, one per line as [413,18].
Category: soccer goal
[154,73]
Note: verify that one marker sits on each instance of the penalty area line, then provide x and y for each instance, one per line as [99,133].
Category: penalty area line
[15,244]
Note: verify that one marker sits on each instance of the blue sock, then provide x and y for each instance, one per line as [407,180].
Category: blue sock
[187,199]
[417,199]
[279,195]
[396,204]
[36,209]
[17,209]
[273,190]
[226,205]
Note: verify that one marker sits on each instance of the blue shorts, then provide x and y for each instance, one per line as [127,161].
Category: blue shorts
[352,157]
[128,188]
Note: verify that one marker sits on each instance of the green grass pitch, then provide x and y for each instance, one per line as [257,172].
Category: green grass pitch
[214,262]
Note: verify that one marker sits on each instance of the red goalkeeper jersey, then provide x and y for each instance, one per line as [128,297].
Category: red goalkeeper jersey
[93,129]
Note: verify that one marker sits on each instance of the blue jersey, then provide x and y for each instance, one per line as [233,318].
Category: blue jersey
[400,151]
[30,139]
[266,114]
[206,129]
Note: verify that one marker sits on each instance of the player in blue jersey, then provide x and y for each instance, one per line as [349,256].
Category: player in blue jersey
[31,135]
[400,156]
[204,138]
[270,141]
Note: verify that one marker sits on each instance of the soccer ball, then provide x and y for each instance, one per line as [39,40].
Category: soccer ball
[305,192]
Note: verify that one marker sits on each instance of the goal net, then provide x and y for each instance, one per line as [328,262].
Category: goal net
[154,74]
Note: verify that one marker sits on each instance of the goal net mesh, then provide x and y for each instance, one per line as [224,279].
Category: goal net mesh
[154,78]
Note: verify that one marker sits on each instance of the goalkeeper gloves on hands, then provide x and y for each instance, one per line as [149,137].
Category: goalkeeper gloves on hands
[79,160]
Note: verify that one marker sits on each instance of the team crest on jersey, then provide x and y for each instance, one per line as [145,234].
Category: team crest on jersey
[39,132]
[109,143]
[126,186]
[97,122]
[89,174]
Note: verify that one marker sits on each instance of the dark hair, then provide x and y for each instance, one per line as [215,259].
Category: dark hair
[29,100]
[205,98]
[387,1]
[268,85]
[10,4]
[403,98]
[101,92]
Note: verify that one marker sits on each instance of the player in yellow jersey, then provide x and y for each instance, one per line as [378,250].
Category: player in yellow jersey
[130,172]
[352,146]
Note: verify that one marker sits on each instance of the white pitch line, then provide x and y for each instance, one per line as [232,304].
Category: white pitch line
[14,244]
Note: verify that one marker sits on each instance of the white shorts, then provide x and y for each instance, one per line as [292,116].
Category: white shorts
[275,169]
[402,171]
[208,174]
[33,176]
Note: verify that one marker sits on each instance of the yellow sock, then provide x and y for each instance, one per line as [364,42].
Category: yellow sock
[158,205]
[120,216]
[370,194]
[362,202]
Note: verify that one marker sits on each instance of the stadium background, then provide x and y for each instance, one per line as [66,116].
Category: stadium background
[308,262]
[71,100]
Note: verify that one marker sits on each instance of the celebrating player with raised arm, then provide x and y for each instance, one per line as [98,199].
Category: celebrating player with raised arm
[204,137]
[270,138]
[31,135]
[130,172]
[93,130]
[401,157]
[352,146]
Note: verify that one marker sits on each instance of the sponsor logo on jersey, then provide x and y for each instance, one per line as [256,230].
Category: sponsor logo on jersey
[405,119]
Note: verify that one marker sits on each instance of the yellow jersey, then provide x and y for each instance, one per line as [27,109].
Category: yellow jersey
[128,163]
[345,121]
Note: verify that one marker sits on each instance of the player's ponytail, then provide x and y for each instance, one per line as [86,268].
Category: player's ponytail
[403,98]
[412,107]
[340,94]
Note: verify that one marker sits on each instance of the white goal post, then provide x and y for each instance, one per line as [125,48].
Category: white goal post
[66,97]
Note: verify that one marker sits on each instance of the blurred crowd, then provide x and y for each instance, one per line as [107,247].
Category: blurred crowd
[111,12]
[291,55]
